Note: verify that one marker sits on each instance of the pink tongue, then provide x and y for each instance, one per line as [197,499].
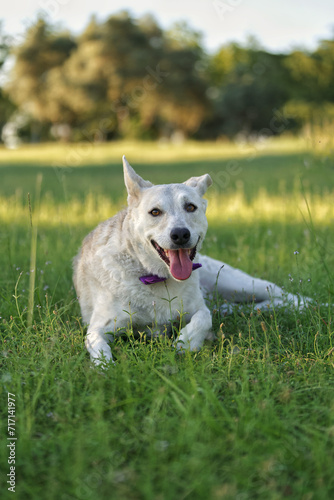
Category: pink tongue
[180,264]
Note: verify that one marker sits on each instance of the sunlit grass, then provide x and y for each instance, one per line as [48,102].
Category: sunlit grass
[50,214]
[88,153]
[264,208]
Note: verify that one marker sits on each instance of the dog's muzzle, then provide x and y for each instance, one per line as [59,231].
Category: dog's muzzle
[178,260]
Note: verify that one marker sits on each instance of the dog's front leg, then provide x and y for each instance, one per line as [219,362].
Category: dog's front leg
[196,331]
[97,338]
[97,345]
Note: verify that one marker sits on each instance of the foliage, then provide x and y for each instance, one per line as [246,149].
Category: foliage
[41,51]
[126,77]
[249,86]
[6,105]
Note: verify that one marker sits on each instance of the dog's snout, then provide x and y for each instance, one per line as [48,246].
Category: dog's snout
[180,235]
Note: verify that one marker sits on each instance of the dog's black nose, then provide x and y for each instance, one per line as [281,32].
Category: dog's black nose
[180,235]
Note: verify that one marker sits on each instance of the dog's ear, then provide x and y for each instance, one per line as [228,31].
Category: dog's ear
[133,182]
[201,184]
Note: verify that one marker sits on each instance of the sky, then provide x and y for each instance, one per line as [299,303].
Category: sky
[279,25]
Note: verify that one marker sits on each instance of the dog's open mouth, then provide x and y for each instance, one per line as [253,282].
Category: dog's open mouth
[179,261]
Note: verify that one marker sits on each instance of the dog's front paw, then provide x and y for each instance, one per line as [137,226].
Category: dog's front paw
[189,341]
[99,350]
[102,362]
[183,343]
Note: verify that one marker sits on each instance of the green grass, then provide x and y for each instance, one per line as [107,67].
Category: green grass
[250,416]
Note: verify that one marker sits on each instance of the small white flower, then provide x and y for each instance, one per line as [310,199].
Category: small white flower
[296,252]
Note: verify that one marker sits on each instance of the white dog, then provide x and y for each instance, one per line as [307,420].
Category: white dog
[141,268]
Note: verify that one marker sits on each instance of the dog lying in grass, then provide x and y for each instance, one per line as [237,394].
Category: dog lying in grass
[142,268]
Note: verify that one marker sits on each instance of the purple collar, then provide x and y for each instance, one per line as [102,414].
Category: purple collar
[150,279]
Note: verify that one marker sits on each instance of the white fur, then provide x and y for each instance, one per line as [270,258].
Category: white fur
[119,251]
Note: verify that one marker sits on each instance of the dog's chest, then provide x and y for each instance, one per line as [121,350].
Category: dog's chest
[160,303]
[157,303]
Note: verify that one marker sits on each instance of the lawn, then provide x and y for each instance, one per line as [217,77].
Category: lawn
[250,416]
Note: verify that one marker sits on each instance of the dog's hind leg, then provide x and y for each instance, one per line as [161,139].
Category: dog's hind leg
[236,286]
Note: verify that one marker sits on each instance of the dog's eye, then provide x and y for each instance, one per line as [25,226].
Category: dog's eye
[190,207]
[155,212]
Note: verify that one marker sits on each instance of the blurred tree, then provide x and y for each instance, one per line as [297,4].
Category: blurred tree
[4,46]
[182,93]
[41,50]
[311,96]
[99,88]
[248,85]
[127,77]
[7,107]
[153,83]
[183,100]
[182,36]
[325,54]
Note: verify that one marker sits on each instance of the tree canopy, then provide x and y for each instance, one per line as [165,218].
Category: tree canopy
[126,77]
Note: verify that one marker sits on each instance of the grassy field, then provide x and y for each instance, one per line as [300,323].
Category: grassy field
[250,416]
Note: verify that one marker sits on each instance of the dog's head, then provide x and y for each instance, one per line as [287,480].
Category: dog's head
[169,222]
